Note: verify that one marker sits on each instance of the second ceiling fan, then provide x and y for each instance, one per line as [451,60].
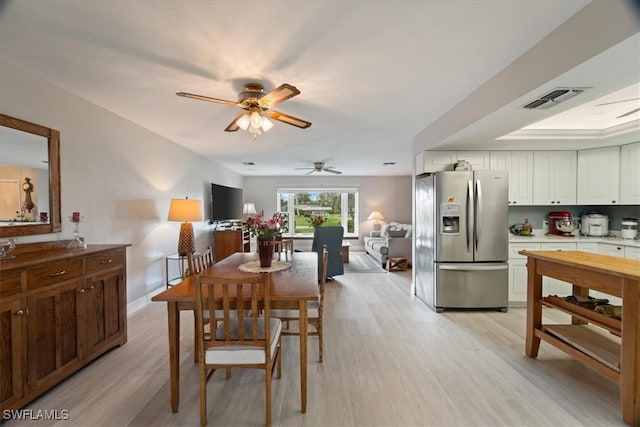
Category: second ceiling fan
[321,167]
[257,108]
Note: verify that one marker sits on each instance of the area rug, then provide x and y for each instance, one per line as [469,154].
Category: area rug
[361,262]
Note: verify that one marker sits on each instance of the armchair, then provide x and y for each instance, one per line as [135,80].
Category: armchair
[331,236]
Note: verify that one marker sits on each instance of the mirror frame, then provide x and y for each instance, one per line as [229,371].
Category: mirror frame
[53,138]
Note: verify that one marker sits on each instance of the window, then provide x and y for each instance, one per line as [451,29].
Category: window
[338,206]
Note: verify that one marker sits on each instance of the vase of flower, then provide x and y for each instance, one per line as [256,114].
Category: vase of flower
[265,231]
[265,251]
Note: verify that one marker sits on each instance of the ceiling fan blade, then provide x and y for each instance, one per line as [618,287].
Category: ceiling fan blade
[332,171]
[629,113]
[278,95]
[290,120]
[233,126]
[207,98]
[616,102]
[310,172]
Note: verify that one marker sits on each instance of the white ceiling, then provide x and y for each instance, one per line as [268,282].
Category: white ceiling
[372,74]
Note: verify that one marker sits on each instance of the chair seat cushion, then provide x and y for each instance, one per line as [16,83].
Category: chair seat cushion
[242,354]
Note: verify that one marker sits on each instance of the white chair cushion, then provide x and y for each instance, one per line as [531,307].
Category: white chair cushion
[240,354]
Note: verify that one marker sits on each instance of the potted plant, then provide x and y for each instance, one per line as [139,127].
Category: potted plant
[265,231]
[316,220]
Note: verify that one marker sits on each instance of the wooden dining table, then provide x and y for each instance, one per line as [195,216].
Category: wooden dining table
[291,288]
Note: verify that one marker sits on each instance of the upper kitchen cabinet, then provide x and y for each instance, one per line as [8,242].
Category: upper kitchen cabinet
[554,177]
[630,174]
[599,176]
[480,160]
[520,167]
[436,161]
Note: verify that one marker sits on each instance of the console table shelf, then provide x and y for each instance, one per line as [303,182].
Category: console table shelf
[612,324]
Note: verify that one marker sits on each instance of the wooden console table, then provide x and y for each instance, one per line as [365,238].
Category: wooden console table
[620,277]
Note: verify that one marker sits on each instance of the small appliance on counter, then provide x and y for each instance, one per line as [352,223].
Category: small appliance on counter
[629,228]
[594,224]
[561,223]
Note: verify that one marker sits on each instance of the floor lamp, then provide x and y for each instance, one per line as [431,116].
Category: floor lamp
[185,211]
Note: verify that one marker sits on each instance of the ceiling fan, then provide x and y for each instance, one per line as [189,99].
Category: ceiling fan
[257,106]
[628,113]
[320,167]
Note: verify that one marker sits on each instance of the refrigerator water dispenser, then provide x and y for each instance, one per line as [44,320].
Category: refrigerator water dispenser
[450,218]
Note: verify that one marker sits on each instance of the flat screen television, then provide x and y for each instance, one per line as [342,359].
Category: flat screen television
[226,203]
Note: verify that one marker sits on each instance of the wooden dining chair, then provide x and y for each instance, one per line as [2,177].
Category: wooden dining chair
[314,309]
[242,338]
[196,264]
[199,262]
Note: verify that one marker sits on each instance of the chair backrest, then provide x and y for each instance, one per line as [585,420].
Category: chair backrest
[240,321]
[331,236]
[323,277]
[200,262]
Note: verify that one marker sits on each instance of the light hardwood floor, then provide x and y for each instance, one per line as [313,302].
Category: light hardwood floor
[389,361]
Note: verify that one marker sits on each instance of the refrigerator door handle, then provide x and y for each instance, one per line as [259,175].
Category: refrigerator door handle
[470,203]
[473,267]
[478,213]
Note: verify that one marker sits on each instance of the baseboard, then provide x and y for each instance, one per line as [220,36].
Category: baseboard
[140,303]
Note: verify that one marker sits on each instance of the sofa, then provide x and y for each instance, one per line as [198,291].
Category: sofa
[394,240]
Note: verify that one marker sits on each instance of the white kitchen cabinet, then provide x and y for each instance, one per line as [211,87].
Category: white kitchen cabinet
[554,177]
[630,174]
[480,160]
[518,272]
[591,247]
[552,286]
[632,252]
[599,176]
[519,164]
[613,250]
[610,249]
[436,161]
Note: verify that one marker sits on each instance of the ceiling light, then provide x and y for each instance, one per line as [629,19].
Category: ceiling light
[266,124]
[243,122]
[254,122]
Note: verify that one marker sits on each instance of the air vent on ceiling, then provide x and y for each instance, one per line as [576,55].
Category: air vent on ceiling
[554,97]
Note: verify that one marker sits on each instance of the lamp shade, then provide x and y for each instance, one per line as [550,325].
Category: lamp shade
[376,215]
[185,210]
[249,208]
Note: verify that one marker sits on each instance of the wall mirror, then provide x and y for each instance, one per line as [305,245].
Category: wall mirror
[29,178]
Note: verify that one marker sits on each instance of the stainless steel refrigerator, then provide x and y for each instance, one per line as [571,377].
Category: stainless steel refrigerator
[462,240]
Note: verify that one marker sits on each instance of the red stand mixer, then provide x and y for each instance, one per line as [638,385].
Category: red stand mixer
[561,223]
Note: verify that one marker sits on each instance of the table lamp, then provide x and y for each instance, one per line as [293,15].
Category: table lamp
[185,210]
[249,208]
[376,216]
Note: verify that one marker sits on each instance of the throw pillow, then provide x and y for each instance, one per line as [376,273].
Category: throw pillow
[397,233]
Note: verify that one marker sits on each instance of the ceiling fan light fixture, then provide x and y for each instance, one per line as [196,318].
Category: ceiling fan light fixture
[256,121]
[243,121]
[266,124]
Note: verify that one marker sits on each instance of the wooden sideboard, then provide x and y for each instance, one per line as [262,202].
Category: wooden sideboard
[230,241]
[615,359]
[59,310]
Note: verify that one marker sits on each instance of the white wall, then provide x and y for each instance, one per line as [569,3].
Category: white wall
[390,195]
[120,176]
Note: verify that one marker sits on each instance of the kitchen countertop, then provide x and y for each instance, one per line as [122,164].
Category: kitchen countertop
[539,236]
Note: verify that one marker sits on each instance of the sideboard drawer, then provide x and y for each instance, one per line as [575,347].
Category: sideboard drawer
[49,274]
[105,261]
[10,284]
